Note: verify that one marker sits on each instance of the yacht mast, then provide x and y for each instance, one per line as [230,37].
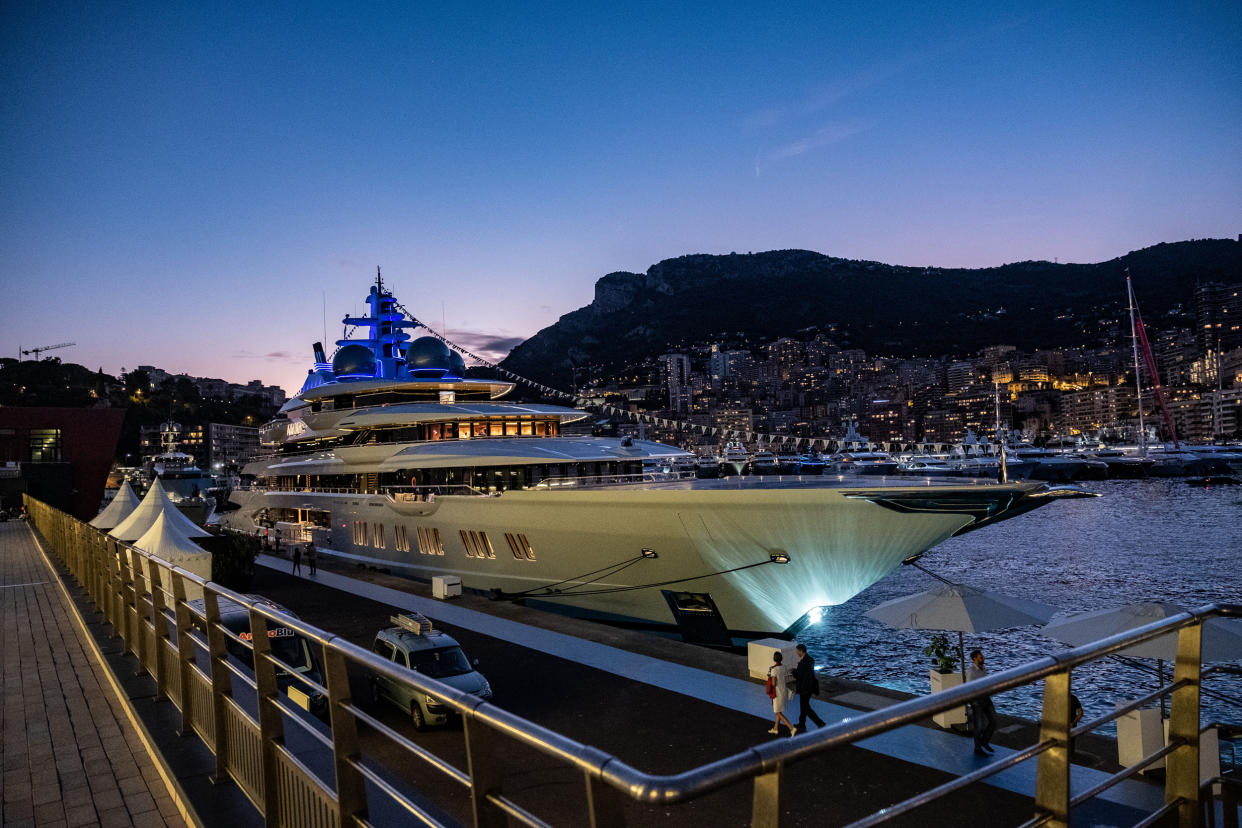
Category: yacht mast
[1000,438]
[1138,382]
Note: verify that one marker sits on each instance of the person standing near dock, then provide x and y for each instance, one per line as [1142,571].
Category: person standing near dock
[311,559]
[778,691]
[805,685]
[983,713]
[297,560]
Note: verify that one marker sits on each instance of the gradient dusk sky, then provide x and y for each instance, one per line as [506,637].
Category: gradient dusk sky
[187,185]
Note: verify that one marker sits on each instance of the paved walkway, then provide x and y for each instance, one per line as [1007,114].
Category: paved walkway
[920,745]
[71,751]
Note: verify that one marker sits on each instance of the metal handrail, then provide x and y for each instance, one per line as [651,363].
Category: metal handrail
[602,480]
[104,567]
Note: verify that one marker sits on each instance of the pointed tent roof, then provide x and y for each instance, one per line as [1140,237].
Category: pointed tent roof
[152,506]
[166,539]
[120,508]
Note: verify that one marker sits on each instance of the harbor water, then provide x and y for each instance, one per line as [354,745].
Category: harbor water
[1143,540]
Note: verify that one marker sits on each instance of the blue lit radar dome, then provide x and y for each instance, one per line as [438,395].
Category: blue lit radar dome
[428,358]
[353,362]
[457,365]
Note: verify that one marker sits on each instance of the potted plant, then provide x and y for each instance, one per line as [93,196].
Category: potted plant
[942,653]
[943,676]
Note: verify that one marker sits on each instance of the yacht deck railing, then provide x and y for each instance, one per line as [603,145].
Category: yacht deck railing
[298,770]
[596,481]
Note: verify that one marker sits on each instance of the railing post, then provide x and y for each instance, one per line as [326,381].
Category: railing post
[185,654]
[1182,768]
[351,793]
[221,687]
[115,611]
[271,725]
[604,804]
[91,574]
[765,811]
[159,622]
[483,761]
[1052,780]
[139,644]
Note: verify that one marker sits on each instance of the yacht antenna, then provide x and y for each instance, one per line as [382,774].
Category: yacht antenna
[1138,383]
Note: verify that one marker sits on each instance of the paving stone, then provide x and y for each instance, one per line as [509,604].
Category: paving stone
[140,803]
[20,809]
[150,819]
[49,812]
[74,780]
[115,818]
[79,796]
[108,800]
[46,792]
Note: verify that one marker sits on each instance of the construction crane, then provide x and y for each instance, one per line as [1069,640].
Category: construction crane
[38,351]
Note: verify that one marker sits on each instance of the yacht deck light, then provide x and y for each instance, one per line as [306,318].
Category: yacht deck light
[778,556]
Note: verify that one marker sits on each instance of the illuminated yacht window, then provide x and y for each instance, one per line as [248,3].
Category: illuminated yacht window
[477,545]
[497,428]
[528,428]
[541,429]
[433,431]
[429,541]
[480,429]
[520,547]
[511,429]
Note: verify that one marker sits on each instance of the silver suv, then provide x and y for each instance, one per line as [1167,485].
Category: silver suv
[415,645]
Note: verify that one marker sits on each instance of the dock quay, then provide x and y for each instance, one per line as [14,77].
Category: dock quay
[654,704]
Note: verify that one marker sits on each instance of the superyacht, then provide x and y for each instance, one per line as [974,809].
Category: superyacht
[390,455]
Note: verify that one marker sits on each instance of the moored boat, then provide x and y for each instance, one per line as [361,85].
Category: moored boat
[392,455]
[733,458]
[763,462]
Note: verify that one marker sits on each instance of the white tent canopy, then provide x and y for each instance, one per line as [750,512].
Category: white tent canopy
[120,508]
[144,516]
[167,540]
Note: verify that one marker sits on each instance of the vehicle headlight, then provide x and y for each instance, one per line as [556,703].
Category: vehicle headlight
[430,699]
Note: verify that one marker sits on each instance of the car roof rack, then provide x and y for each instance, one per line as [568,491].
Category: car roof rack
[415,622]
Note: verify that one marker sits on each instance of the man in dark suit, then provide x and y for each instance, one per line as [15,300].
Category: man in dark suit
[805,685]
[983,713]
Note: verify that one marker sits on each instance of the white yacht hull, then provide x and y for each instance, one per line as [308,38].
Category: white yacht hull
[838,543]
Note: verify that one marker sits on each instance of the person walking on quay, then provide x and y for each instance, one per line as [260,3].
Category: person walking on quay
[805,685]
[1076,714]
[297,560]
[778,692]
[983,713]
[311,559]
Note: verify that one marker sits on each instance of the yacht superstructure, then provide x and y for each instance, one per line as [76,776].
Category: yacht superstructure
[391,455]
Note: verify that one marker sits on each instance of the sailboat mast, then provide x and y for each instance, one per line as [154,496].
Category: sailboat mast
[1138,381]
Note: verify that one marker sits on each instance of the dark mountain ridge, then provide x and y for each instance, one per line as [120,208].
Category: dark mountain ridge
[890,310]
